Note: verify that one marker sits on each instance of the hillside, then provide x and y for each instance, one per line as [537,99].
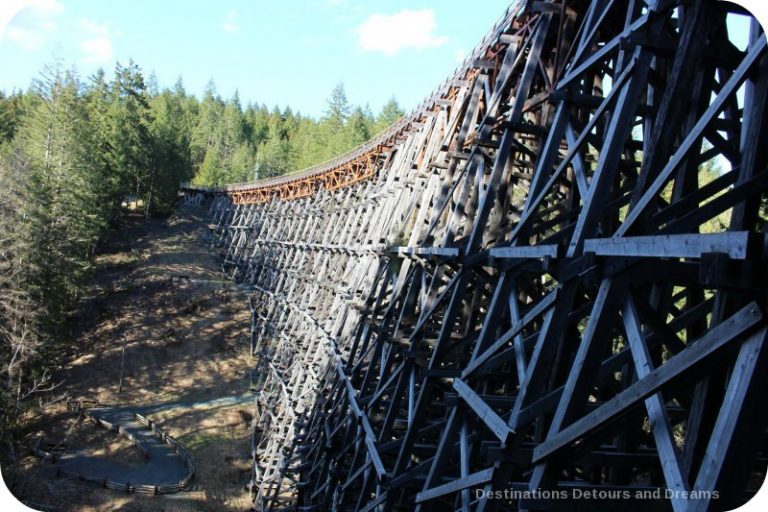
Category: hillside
[186,365]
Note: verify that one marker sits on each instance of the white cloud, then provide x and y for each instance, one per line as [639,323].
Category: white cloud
[228,23]
[34,24]
[97,50]
[96,47]
[94,28]
[46,6]
[388,34]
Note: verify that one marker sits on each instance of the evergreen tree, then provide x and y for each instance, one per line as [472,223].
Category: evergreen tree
[307,145]
[99,111]
[276,154]
[359,128]
[257,124]
[53,162]
[152,84]
[132,139]
[10,113]
[229,138]
[71,152]
[332,126]
[171,144]
[338,108]
[203,139]
[20,316]
[390,113]
[51,214]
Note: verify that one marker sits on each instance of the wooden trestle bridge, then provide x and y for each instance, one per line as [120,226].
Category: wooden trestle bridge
[531,289]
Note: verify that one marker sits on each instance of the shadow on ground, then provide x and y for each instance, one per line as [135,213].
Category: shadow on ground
[183,350]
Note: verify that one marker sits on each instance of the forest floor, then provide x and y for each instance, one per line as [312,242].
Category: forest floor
[186,366]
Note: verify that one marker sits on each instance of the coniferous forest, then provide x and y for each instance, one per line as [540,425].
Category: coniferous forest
[74,151]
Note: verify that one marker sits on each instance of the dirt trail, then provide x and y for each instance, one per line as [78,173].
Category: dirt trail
[186,365]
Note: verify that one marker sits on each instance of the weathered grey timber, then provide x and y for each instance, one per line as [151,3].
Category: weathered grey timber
[529,283]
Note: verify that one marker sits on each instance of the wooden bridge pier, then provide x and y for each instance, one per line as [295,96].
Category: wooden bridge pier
[530,289]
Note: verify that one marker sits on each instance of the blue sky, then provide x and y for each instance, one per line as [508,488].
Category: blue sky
[286,53]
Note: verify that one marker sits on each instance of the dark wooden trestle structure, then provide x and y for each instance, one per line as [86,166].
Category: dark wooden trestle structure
[531,289]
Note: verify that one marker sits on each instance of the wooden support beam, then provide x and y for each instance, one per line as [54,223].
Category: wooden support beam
[733,243]
[508,286]
[726,332]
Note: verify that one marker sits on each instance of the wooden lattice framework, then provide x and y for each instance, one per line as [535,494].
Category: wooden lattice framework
[532,283]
